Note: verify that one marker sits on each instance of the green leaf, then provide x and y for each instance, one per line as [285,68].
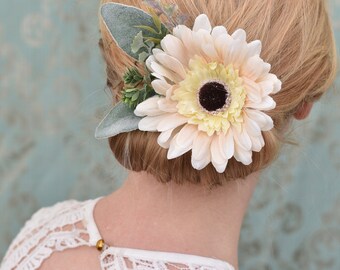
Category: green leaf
[150,44]
[145,94]
[156,20]
[148,28]
[132,76]
[138,43]
[120,119]
[143,56]
[121,20]
[135,96]
[130,94]
[131,104]
[152,39]
[147,78]
[130,90]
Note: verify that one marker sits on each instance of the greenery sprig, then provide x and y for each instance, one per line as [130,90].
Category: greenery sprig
[148,38]
[156,33]
[132,77]
[169,11]
[137,88]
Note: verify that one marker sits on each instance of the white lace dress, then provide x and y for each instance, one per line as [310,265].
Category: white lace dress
[70,224]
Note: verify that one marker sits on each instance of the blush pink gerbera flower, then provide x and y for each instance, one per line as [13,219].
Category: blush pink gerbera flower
[213,90]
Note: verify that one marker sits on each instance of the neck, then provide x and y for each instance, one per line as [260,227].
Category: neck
[212,217]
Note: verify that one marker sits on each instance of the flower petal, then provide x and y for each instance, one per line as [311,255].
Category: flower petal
[254,68]
[170,91]
[200,157]
[148,107]
[267,87]
[217,155]
[164,138]
[277,84]
[163,71]
[160,86]
[185,35]
[227,142]
[170,62]
[242,155]
[251,126]
[200,40]
[256,143]
[266,104]
[179,31]
[253,90]
[254,132]
[210,51]
[150,123]
[173,46]
[242,138]
[202,22]
[183,141]
[148,62]
[254,48]
[167,105]
[235,53]
[218,30]
[222,45]
[240,34]
[158,76]
[171,121]
[264,121]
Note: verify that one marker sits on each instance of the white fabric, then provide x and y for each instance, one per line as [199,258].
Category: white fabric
[70,224]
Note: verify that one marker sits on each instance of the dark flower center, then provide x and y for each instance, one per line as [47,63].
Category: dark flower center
[213,96]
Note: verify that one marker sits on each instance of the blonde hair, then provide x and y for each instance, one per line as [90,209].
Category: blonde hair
[297,41]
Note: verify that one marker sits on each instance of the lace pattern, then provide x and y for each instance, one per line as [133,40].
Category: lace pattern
[50,229]
[70,224]
[113,258]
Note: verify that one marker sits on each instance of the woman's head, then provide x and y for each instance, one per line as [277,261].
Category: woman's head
[296,40]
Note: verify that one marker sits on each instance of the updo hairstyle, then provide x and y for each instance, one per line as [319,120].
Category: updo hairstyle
[297,41]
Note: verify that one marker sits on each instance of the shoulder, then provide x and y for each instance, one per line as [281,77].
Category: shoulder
[62,226]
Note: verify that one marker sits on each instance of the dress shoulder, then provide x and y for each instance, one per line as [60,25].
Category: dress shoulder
[61,226]
[70,224]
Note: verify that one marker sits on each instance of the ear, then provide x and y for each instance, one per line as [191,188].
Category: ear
[304,111]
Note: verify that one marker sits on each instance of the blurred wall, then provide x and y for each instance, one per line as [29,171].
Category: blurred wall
[53,94]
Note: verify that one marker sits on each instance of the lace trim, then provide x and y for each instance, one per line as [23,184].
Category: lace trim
[113,258]
[50,229]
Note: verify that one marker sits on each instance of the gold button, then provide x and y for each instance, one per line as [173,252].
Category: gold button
[100,244]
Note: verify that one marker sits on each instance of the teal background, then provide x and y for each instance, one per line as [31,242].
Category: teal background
[53,94]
